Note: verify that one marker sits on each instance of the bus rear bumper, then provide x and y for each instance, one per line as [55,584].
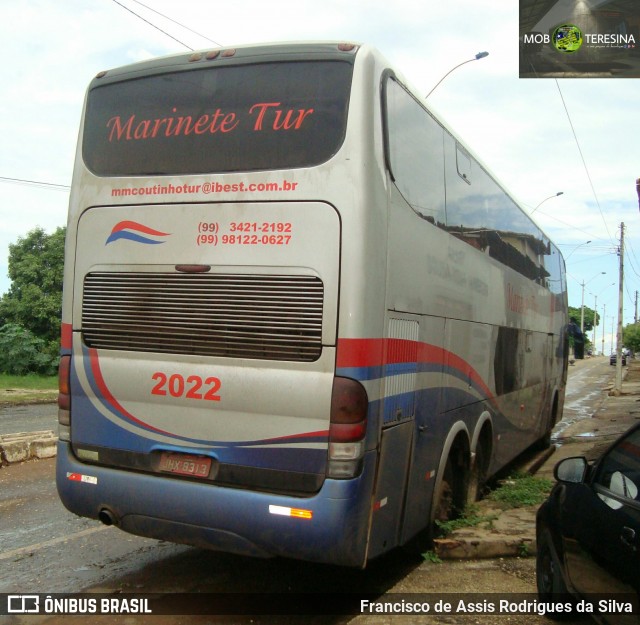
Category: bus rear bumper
[330,526]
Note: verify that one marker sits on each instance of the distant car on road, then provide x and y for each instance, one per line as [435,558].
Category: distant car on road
[613,359]
[588,530]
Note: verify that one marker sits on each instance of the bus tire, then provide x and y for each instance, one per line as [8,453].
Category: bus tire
[445,505]
[450,498]
[443,500]
[478,475]
[544,441]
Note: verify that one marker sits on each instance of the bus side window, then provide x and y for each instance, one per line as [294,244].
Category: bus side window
[416,153]
[463,163]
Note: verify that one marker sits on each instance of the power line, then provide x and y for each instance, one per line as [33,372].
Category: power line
[166,17]
[573,226]
[152,25]
[584,163]
[592,259]
[36,183]
[633,254]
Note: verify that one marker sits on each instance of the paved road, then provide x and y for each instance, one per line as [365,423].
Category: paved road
[586,382]
[32,418]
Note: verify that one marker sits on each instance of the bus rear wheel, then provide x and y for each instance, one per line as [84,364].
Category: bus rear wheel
[478,475]
[447,503]
[450,498]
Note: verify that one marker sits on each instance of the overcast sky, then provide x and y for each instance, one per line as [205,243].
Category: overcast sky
[519,127]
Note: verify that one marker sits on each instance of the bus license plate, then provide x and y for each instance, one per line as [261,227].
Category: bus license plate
[184,464]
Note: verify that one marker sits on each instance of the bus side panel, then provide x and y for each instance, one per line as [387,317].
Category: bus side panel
[428,426]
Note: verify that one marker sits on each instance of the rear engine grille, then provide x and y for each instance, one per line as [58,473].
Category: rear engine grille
[232,315]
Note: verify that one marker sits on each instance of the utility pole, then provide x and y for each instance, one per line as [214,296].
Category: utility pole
[582,310]
[635,315]
[604,319]
[618,383]
[613,333]
[595,326]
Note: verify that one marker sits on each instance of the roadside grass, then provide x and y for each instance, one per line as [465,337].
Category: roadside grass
[518,490]
[470,517]
[27,389]
[521,489]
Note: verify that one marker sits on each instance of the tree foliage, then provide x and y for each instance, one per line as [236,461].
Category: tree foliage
[34,299]
[631,337]
[589,316]
[21,352]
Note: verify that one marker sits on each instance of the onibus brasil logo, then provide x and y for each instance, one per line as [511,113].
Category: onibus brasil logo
[567,38]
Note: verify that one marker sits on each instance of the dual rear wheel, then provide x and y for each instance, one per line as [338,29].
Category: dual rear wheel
[460,485]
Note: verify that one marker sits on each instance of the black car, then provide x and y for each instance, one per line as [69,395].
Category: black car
[588,533]
[614,358]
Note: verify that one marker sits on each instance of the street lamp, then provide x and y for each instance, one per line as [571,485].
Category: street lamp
[477,57]
[576,247]
[595,318]
[545,199]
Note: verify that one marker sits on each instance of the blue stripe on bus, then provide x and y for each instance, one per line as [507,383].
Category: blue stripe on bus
[381,372]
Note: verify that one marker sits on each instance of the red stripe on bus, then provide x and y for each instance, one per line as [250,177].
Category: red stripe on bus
[291,437]
[108,396]
[379,352]
[134,225]
[66,335]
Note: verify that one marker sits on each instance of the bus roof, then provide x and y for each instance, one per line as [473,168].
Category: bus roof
[231,55]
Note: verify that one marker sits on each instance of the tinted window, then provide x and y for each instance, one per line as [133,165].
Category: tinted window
[463,161]
[415,153]
[483,215]
[554,267]
[236,118]
[619,470]
[446,185]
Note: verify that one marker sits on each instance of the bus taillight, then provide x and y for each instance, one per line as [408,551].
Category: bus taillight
[64,391]
[348,427]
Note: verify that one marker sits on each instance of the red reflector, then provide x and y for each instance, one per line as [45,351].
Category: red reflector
[64,375]
[347,432]
[64,401]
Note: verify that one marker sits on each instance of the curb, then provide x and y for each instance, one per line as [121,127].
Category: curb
[472,548]
[505,533]
[24,446]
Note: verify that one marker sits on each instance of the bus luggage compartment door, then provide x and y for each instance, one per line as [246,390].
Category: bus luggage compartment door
[389,492]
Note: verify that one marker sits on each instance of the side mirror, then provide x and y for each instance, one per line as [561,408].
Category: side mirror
[572,470]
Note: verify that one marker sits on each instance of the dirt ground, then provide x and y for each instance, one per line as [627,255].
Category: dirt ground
[18,396]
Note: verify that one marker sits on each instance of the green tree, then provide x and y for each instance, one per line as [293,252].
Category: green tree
[21,352]
[34,299]
[589,315]
[631,337]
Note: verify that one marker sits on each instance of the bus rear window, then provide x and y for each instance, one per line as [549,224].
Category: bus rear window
[224,119]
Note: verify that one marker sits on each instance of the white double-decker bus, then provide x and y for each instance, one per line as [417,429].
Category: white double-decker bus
[300,318]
